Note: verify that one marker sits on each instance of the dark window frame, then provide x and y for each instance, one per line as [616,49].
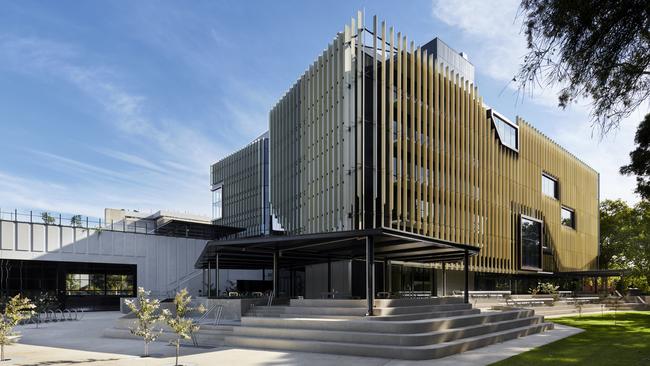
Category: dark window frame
[494,116]
[215,188]
[521,243]
[556,190]
[573,217]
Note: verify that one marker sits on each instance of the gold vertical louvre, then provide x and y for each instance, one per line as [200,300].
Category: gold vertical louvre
[440,168]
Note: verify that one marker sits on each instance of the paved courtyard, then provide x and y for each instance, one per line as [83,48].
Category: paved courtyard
[81,343]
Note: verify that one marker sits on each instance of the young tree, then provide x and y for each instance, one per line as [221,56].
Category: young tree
[18,308]
[598,49]
[47,218]
[182,326]
[146,312]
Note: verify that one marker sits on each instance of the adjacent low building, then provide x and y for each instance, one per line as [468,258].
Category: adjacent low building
[90,265]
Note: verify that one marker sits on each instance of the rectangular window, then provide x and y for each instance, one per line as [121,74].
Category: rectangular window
[550,186]
[568,217]
[95,284]
[118,284]
[217,203]
[531,243]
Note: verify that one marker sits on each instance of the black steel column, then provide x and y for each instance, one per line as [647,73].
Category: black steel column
[433,282]
[385,286]
[370,274]
[444,279]
[275,274]
[216,267]
[389,288]
[466,270]
[329,275]
[204,293]
[209,280]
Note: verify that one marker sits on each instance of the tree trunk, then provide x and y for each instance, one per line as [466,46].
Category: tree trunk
[178,344]
[146,349]
[2,352]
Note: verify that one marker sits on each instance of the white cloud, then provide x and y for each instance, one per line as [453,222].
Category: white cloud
[179,176]
[491,24]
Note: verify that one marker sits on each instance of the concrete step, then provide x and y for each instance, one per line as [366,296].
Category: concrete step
[374,325]
[387,351]
[316,316]
[280,314]
[310,310]
[381,303]
[386,303]
[354,311]
[427,315]
[329,303]
[204,338]
[414,339]
[417,309]
[216,328]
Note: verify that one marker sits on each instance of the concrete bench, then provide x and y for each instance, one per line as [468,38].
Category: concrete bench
[585,299]
[487,294]
[414,294]
[531,301]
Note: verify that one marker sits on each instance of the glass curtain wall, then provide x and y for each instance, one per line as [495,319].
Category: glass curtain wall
[407,278]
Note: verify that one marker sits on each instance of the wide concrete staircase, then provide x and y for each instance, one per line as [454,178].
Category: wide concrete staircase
[414,329]
[207,336]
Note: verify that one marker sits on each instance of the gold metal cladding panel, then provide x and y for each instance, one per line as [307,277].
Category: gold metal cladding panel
[455,181]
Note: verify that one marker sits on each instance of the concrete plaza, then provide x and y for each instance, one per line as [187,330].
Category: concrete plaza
[81,343]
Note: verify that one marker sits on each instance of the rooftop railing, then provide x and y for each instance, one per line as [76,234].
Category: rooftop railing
[78,221]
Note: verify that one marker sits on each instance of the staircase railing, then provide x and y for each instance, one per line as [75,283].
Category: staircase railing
[216,310]
[270,300]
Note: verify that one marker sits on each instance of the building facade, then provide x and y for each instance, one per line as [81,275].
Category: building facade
[240,189]
[381,133]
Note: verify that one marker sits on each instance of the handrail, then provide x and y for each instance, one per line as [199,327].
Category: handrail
[186,278]
[217,317]
[216,309]
[270,300]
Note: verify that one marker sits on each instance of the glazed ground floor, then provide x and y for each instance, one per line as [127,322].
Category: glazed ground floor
[346,279]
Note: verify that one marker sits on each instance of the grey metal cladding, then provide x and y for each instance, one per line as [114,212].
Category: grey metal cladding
[241,176]
[311,138]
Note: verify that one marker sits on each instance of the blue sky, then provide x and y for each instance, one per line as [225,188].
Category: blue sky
[126,103]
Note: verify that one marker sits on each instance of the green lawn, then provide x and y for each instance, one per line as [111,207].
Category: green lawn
[602,343]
